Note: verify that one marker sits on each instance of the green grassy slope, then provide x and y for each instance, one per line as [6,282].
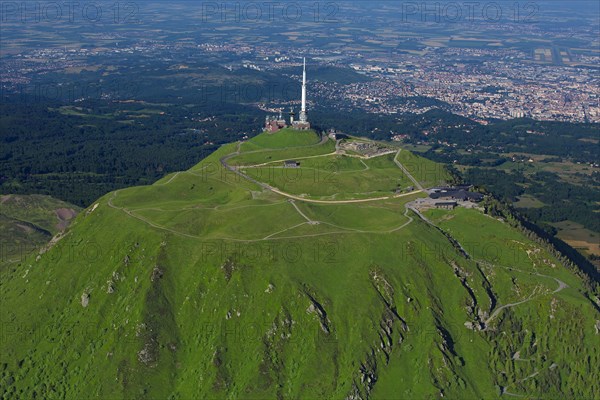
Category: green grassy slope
[206,285]
[427,172]
[281,139]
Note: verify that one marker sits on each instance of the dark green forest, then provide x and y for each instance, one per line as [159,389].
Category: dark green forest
[562,200]
[78,158]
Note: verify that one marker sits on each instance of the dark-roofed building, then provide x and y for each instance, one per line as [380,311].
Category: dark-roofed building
[456,193]
[291,164]
[446,205]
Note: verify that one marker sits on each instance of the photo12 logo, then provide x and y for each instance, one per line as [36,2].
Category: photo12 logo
[270,11]
[243,93]
[325,250]
[26,12]
[74,91]
[469,11]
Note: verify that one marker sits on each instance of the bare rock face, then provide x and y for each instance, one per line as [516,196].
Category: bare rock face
[316,308]
[157,273]
[597,326]
[64,215]
[228,268]
[85,299]
[144,356]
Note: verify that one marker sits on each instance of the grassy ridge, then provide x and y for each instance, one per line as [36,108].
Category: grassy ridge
[29,221]
[283,138]
[204,285]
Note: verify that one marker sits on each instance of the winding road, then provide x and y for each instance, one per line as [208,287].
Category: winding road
[561,286]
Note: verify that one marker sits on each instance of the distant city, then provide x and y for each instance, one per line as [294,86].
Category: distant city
[540,65]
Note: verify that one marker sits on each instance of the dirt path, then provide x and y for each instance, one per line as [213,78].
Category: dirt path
[146,221]
[366,166]
[310,221]
[416,182]
[237,171]
[291,196]
[342,231]
[171,179]
[499,309]
[285,159]
[561,286]
[283,230]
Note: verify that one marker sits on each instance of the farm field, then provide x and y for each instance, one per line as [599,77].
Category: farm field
[579,237]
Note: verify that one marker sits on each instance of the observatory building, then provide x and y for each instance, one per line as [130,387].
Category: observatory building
[274,123]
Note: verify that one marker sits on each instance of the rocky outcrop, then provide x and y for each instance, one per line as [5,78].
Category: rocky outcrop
[488,288]
[271,369]
[85,299]
[367,378]
[473,308]
[390,329]
[228,267]
[386,294]
[316,308]
[157,273]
